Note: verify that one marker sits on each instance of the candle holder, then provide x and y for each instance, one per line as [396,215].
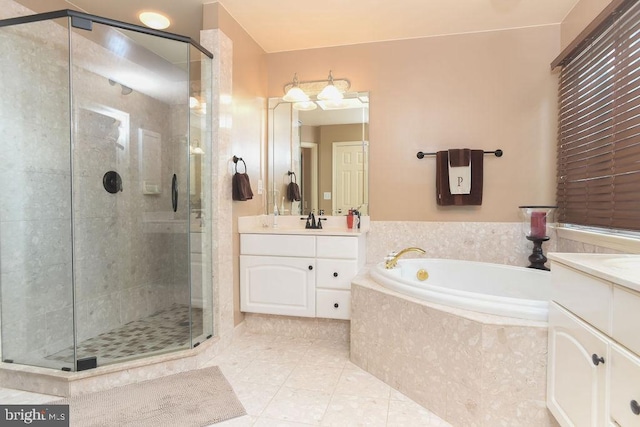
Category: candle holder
[534,226]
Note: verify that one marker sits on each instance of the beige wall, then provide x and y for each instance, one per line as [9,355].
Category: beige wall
[248,120]
[580,16]
[484,90]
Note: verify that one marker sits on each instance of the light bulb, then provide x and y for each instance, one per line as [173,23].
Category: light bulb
[154,20]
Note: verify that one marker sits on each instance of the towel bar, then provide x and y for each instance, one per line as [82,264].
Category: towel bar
[497,153]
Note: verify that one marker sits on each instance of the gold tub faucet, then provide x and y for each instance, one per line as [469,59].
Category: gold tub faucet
[392,259]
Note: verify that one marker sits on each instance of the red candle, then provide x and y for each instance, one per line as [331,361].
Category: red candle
[538,224]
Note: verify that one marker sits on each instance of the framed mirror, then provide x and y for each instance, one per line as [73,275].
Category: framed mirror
[325,151]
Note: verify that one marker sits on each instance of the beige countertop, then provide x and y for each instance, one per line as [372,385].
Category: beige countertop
[293,225]
[622,269]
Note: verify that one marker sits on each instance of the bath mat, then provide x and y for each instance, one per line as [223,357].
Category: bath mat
[194,398]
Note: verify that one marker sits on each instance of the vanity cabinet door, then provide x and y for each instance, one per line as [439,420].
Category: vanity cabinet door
[577,370]
[625,387]
[278,285]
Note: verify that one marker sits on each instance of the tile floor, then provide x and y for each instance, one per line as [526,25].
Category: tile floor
[283,381]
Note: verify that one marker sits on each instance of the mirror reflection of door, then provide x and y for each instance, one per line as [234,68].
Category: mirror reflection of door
[350,170]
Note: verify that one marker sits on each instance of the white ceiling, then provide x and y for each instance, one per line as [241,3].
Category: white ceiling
[282,25]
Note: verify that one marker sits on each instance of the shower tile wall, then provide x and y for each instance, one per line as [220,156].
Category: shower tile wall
[131,273]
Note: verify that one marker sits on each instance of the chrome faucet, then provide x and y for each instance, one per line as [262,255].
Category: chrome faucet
[392,259]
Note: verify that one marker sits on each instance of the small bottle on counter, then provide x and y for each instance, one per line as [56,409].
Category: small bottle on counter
[350,219]
[275,215]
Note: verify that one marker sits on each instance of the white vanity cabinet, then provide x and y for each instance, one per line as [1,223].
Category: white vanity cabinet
[299,275]
[593,362]
[576,387]
[277,274]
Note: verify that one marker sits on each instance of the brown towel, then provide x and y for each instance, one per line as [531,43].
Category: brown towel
[241,187]
[293,192]
[459,157]
[443,193]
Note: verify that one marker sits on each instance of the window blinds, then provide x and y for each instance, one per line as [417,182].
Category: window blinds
[599,130]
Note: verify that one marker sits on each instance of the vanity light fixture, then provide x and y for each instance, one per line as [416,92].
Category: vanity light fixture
[329,89]
[154,20]
[295,94]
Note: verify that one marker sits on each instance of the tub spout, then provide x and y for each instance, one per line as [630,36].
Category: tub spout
[392,260]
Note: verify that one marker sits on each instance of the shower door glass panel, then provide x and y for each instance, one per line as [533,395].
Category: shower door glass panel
[200,196]
[130,120]
[35,212]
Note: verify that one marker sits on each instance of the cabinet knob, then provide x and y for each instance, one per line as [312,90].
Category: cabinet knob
[335,274]
[597,360]
[336,305]
[311,267]
[635,407]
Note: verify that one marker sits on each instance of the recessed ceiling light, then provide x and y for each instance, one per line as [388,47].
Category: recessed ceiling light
[154,20]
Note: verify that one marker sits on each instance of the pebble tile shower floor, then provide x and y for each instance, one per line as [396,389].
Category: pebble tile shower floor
[167,329]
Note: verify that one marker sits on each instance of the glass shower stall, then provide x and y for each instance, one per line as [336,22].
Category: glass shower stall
[105,135]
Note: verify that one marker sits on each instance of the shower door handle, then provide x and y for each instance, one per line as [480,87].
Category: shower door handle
[174,192]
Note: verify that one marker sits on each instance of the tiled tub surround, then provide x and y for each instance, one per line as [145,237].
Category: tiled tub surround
[470,369]
[495,242]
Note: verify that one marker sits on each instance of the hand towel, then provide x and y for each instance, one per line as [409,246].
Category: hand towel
[460,171]
[443,193]
[241,187]
[293,192]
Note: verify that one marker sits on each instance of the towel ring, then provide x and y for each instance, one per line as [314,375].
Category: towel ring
[294,179]
[237,159]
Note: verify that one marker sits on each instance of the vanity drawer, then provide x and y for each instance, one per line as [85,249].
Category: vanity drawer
[626,319]
[333,304]
[277,245]
[337,247]
[585,296]
[625,387]
[335,273]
